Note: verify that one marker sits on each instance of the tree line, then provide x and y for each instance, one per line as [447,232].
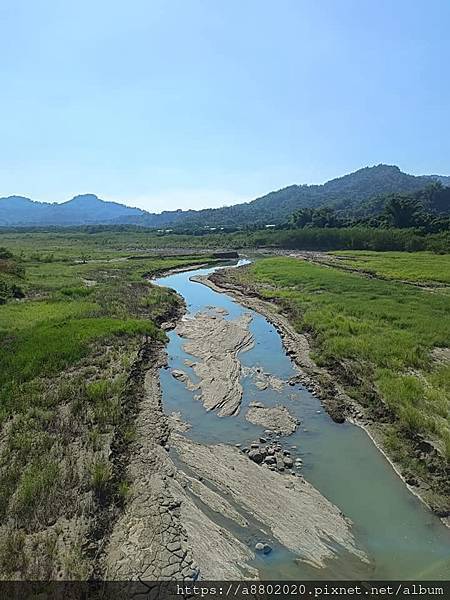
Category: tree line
[426,210]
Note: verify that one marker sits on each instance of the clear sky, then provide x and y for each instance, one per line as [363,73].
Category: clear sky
[168,104]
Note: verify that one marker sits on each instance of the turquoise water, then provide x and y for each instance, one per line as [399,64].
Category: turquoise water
[401,537]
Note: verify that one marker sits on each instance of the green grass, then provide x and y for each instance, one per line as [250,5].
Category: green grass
[66,350]
[22,315]
[48,348]
[104,397]
[158,300]
[101,474]
[384,330]
[418,267]
[36,487]
[62,276]
[100,244]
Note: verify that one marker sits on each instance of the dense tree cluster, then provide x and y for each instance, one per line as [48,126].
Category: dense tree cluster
[427,210]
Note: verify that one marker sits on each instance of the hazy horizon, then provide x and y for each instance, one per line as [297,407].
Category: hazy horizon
[168,105]
[136,205]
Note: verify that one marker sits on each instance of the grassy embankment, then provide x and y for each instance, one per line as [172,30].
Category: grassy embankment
[420,267]
[70,333]
[382,339]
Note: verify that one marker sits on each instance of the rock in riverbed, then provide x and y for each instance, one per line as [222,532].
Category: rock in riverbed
[257,455]
[264,548]
[262,380]
[180,375]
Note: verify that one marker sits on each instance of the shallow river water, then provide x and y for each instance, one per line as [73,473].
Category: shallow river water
[401,537]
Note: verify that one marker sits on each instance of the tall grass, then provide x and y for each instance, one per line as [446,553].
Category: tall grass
[418,267]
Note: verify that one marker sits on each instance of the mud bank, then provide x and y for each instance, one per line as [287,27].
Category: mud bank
[277,419]
[216,342]
[288,509]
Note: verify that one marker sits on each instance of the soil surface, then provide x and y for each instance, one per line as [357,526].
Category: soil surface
[216,342]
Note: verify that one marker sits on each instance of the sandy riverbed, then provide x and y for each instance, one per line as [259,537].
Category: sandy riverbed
[216,342]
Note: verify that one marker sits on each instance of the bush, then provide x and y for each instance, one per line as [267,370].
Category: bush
[101,474]
[33,494]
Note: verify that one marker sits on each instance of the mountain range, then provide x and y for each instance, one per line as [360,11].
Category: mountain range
[343,193]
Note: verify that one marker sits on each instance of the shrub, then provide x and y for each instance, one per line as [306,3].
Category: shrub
[101,474]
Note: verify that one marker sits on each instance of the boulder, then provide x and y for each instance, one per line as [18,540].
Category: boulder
[178,374]
[256,456]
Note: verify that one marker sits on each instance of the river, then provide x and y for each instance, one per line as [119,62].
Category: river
[401,537]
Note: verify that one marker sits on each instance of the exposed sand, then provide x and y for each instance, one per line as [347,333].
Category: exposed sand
[216,342]
[288,508]
[277,418]
[262,380]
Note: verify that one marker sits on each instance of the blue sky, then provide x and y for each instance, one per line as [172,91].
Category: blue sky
[170,104]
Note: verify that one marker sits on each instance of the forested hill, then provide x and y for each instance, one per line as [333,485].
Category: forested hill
[347,192]
[276,207]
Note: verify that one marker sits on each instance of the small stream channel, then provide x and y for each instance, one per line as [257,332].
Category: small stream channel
[401,537]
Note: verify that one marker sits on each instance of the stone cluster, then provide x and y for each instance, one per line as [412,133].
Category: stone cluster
[269,452]
[308,383]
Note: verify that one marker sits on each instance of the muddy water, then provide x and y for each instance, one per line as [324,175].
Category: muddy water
[402,539]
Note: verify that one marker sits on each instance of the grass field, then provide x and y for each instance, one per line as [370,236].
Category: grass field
[99,242]
[418,267]
[70,330]
[383,331]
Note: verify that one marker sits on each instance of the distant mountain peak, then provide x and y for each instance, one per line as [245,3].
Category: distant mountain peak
[84,209]
[84,199]
[346,192]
